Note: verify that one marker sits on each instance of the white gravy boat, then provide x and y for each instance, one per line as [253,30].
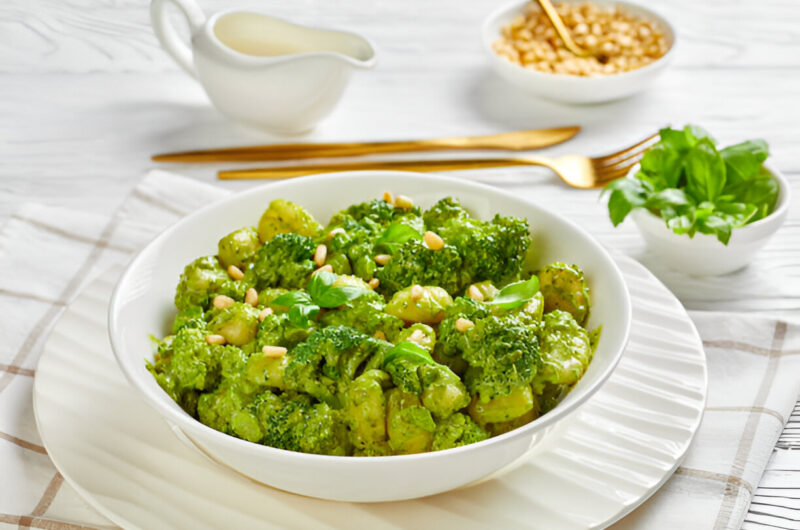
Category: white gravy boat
[264,71]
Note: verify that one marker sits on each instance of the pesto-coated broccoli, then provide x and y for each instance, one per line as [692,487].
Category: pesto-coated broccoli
[455,431]
[299,424]
[414,263]
[365,314]
[191,317]
[442,212]
[502,354]
[201,280]
[285,261]
[329,359]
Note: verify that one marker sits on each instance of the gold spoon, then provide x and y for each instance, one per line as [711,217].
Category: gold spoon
[564,35]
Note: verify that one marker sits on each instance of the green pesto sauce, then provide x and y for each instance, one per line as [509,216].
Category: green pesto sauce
[335,391]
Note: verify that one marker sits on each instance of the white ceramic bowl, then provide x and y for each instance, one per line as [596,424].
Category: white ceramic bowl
[704,255]
[142,305]
[573,88]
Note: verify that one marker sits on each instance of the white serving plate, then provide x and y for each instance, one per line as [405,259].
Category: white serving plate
[616,451]
[142,306]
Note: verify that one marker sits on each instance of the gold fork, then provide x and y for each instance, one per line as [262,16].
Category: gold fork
[576,170]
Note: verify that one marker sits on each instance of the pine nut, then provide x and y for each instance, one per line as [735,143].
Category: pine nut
[320,254]
[223,302]
[433,240]
[335,231]
[251,297]
[388,197]
[326,268]
[382,259]
[235,272]
[215,339]
[374,283]
[463,324]
[267,311]
[380,335]
[274,351]
[403,202]
[416,292]
[475,293]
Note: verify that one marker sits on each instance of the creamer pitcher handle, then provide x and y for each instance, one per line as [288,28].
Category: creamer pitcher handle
[166,32]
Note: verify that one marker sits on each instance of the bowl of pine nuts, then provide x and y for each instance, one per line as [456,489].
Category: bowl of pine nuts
[633,46]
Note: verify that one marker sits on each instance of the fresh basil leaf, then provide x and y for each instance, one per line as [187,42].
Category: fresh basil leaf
[705,171]
[681,224]
[743,161]
[715,224]
[409,351]
[292,298]
[663,166]
[626,194]
[320,282]
[396,235]
[301,314]
[695,133]
[675,139]
[516,294]
[737,214]
[669,197]
[762,192]
[336,296]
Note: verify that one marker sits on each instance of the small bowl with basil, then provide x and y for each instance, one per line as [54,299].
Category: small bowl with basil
[701,208]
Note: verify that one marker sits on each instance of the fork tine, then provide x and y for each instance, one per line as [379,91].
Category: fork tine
[629,155]
[609,173]
[602,159]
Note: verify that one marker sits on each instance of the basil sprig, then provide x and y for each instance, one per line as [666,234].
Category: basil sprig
[409,351]
[305,306]
[696,187]
[516,294]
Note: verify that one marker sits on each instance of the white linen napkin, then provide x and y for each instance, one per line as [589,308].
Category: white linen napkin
[48,254]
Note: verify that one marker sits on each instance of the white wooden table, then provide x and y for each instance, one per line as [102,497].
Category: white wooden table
[86,96]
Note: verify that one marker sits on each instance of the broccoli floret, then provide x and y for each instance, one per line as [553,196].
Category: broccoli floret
[237,323]
[201,280]
[489,250]
[455,431]
[566,350]
[323,365]
[232,395]
[452,342]
[365,314]
[382,213]
[298,424]
[414,263]
[285,261]
[276,330]
[502,354]
[191,317]
[443,211]
[190,363]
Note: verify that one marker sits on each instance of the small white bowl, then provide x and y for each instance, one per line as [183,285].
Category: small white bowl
[142,306]
[703,254]
[572,88]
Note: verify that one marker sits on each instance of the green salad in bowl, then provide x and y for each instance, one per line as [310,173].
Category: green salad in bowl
[390,330]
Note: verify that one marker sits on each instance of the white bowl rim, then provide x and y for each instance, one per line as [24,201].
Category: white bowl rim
[172,416]
[782,207]
[489,37]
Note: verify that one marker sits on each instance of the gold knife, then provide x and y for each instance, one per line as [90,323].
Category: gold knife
[511,141]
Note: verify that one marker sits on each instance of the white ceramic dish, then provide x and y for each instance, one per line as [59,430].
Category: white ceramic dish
[263,71]
[704,255]
[142,306]
[612,455]
[572,88]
